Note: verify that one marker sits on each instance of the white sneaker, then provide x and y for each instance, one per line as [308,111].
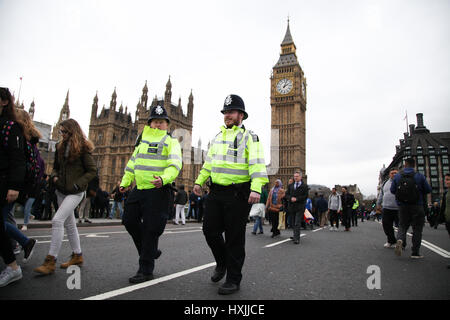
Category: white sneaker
[331,228]
[389,245]
[17,249]
[24,228]
[9,275]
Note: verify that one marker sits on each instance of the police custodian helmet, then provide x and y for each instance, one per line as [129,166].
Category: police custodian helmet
[234,102]
[158,112]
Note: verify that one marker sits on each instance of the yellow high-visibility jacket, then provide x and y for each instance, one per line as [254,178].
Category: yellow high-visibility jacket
[158,154]
[356,204]
[235,156]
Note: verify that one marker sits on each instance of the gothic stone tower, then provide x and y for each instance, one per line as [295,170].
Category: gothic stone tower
[288,104]
[64,114]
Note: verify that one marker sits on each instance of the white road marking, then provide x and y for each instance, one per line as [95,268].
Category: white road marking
[94,235]
[118,292]
[104,234]
[318,229]
[429,245]
[39,242]
[280,242]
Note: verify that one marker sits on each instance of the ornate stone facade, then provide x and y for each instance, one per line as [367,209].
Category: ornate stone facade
[288,104]
[114,134]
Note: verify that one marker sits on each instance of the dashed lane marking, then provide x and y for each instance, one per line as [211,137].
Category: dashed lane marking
[283,241]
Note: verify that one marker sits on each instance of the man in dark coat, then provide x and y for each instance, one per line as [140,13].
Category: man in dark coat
[347,206]
[297,194]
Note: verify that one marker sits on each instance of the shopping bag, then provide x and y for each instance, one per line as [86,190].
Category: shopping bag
[281,220]
[254,211]
[307,216]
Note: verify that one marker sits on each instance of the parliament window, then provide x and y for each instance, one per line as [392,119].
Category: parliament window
[444,159]
[433,160]
[445,170]
[433,171]
[420,160]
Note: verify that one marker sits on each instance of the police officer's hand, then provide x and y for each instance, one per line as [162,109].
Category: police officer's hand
[197,190]
[157,182]
[254,197]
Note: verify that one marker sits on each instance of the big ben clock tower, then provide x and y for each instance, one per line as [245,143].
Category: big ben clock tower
[288,104]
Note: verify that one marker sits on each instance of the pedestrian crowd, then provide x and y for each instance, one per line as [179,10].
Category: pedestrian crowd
[232,186]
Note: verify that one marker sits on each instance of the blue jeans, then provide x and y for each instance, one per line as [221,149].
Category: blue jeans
[27,210]
[258,224]
[11,229]
[113,210]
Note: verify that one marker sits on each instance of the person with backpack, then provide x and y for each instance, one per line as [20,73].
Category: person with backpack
[12,175]
[73,168]
[410,189]
[35,166]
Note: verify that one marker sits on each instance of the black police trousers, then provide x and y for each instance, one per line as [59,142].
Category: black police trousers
[145,217]
[226,211]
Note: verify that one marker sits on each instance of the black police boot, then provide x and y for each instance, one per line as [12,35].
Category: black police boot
[228,288]
[158,253]
[218,274]
[140,277]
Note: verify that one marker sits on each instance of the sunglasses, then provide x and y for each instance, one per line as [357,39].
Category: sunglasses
[63,131]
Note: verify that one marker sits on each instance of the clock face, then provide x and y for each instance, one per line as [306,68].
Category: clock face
[284,86]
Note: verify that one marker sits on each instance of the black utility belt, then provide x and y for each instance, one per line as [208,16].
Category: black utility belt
[233,186]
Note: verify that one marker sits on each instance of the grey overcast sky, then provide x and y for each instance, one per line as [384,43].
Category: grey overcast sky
[366,63]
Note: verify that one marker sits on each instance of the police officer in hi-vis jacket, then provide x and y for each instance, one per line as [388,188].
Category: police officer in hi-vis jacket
[235,164]
[155,163]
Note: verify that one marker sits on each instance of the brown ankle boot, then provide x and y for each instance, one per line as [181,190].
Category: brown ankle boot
[76,259]
[48,267]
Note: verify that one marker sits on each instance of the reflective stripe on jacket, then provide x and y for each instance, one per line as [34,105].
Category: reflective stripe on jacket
[235,156]
[158,154]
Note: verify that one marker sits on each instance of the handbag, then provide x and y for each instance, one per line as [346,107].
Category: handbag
[281,220]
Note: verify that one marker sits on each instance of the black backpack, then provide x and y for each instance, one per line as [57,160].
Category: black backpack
[407,190]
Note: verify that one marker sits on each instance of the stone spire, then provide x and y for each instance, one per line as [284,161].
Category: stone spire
[31,111]
[113,102]
[63,115]
[94,108]
[168,94]
[190,106]
[144,96]
[287,37]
